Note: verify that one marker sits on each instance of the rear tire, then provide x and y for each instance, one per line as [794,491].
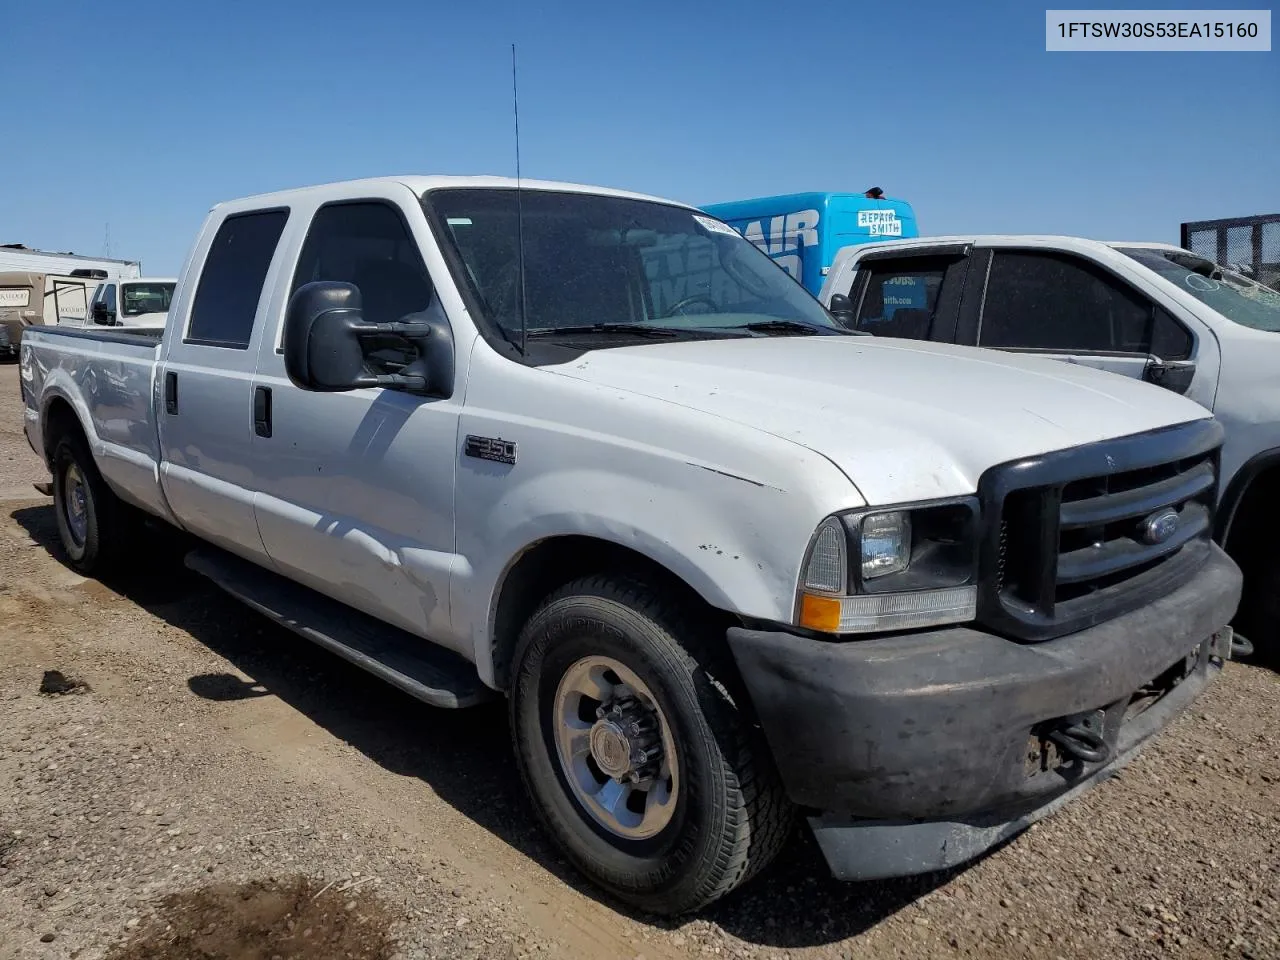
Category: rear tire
[721,814]
[92,521]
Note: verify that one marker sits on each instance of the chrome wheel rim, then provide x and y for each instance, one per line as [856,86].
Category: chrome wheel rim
[615,748]
[75,504]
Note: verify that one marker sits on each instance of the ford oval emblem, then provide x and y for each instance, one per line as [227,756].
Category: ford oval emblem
[1159,527]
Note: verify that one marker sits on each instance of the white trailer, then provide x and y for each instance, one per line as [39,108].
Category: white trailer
[16,257]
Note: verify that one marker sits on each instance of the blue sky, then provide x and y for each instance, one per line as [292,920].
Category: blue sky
[143,114]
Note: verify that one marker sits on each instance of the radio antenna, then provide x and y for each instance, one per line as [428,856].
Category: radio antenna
[515,109]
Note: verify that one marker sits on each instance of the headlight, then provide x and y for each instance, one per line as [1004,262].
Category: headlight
[892,570]
[886,543]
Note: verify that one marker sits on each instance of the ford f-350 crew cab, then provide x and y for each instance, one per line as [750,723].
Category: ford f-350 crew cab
[1150,311]
[596,452]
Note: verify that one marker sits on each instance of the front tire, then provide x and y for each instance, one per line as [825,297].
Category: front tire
[639,763]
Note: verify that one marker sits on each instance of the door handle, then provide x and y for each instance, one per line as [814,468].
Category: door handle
[170,392]
[262,411]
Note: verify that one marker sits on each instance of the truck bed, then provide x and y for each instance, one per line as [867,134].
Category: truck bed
[148,337]
[108,378]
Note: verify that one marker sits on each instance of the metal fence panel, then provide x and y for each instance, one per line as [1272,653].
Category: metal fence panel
[1248,244]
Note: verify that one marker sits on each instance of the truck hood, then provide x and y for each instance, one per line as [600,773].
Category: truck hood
[905,420]
[148,320]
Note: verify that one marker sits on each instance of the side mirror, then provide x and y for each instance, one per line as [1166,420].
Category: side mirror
[1175,375]
[325,348]
[101,314]
[842,309]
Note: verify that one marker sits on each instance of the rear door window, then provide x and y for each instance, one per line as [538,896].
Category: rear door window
[230,287]
[900,296]
[1057,303]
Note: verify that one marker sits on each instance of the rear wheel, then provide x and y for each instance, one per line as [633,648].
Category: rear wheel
[91,519]
[637,759]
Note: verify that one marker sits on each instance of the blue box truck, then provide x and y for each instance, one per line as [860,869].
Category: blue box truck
[802,232]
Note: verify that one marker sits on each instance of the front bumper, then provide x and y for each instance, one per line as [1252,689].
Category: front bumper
[918,751]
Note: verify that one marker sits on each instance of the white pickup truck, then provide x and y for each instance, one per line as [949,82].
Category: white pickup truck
[727,561]
[1150,311]
[140,302]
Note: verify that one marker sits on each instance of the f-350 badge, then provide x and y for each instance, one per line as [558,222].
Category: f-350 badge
[490,448]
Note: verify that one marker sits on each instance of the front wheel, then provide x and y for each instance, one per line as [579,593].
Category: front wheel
[638,761]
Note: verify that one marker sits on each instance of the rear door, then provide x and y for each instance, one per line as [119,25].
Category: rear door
[204,393]
[1063,306]
[914,295]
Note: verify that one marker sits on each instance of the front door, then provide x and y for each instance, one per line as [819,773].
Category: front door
[356,488]
[1060,306]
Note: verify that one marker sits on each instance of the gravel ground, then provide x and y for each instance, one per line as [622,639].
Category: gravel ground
[222,788]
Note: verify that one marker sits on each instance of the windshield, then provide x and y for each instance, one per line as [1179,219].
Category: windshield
[1236,297]
[140,298]
[611,265]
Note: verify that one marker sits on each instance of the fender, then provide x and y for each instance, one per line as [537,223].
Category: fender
[481,608]
[133,475]
[1236,489]
[55,389]
[738,545]
[719,584]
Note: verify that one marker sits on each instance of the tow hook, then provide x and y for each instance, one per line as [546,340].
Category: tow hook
[1226,644]
[1081,738]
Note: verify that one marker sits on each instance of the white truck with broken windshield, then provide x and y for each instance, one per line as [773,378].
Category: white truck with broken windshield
[1150,311]
[595,452]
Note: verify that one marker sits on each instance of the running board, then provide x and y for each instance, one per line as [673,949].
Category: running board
[417,666]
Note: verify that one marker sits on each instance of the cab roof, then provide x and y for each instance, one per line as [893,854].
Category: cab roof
[420,184]
[1021,239]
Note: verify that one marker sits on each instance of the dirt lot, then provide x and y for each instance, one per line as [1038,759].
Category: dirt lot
[222,789]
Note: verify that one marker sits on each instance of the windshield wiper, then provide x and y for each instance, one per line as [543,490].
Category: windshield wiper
[791,326]
[626,329]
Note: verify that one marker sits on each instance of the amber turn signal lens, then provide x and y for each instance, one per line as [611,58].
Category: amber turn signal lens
[819,613]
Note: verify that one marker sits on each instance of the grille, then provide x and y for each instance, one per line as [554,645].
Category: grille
[1072,538]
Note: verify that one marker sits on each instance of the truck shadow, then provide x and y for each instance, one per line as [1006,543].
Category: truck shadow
[465,755]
